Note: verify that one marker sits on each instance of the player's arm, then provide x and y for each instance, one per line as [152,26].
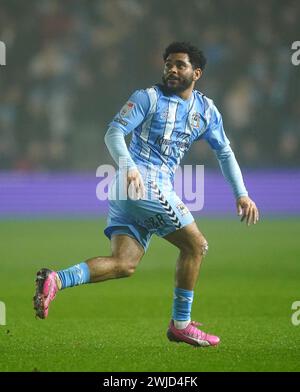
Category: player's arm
[246,207]
[130,116]
[115,142]
[217,139]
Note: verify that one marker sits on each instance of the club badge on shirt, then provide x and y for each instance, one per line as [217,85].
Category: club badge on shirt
[127,109]
[196,120]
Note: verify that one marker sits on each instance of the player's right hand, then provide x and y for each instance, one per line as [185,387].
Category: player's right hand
[135,184]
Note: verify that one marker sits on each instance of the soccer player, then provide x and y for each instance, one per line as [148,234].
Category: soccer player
[164,120]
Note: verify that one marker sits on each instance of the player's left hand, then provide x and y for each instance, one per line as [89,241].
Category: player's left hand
[247,209]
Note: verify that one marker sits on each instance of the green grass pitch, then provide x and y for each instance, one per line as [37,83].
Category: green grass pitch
[247,285]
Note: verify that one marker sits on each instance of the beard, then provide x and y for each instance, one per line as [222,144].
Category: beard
[181,84]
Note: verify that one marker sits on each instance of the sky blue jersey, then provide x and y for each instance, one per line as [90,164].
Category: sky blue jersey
[165,126]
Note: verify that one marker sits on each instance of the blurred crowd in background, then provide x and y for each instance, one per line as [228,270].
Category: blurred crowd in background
[72,64]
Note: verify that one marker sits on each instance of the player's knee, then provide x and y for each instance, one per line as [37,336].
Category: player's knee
[204,247]
[126,268]
[198,247]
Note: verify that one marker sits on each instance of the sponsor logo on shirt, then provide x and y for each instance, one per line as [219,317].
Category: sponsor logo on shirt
[182,143]
[176,147]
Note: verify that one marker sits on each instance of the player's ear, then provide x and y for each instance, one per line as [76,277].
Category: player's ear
[197,74]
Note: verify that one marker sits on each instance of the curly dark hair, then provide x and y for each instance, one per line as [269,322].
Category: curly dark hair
[196,56]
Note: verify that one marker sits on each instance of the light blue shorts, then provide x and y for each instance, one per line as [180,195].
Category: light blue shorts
[160,214]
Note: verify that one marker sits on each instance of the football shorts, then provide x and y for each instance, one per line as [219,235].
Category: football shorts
[161,212]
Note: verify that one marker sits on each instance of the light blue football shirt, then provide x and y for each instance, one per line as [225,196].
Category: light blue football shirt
[165,126]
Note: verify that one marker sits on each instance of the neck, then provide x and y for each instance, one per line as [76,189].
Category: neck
[186,94]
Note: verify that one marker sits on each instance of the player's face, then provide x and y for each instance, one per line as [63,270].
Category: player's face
[179,74]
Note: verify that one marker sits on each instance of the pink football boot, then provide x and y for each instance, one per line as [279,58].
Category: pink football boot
[191,335]
[46,289]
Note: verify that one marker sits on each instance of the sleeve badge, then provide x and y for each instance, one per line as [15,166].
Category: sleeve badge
[127,109]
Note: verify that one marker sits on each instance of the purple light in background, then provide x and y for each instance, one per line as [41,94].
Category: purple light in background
[74,194]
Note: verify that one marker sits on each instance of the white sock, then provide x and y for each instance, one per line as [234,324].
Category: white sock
[181,324]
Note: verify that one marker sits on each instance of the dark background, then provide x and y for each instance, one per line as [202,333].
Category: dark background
[72,64]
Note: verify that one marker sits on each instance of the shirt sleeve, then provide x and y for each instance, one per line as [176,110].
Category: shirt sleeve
[133,113]
[231,171]
[215,134]
[115,142]
[217,139]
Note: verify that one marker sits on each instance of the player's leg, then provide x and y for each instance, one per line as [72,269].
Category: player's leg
[126,254]
[192,247]
[179,228]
